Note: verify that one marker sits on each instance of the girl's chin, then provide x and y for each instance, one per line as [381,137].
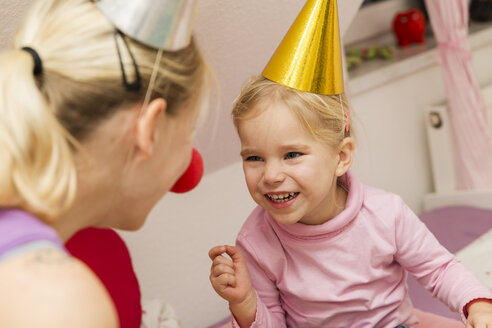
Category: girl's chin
[285,219]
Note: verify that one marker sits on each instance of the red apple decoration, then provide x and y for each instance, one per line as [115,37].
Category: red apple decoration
[409,27]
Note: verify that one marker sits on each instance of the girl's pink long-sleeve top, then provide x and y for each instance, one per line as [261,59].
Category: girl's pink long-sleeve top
[350,271]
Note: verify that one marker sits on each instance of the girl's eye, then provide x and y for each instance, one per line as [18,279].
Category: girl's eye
[253,158]
[292,154]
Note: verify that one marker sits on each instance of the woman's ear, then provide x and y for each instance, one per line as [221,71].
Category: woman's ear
[146,126]
[345,156]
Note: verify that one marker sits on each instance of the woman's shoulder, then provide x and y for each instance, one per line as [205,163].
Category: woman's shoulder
[48,288]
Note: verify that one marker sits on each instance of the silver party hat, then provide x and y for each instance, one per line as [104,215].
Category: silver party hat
[165,24]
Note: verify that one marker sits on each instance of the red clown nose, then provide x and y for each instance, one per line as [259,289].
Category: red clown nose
[192,175]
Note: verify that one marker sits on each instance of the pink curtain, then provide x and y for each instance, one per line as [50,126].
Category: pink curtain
[472,144]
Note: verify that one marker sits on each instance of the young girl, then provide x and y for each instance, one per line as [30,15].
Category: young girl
[322,249]
[81,146]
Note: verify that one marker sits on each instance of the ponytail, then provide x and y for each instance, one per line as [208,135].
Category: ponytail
[37,172]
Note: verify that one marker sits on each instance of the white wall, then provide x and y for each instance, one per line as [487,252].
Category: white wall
[11,14]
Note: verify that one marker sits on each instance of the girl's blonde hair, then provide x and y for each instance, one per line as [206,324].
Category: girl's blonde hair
[322,116]
[42,118]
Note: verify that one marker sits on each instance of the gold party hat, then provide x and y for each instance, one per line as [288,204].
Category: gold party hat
[309,58]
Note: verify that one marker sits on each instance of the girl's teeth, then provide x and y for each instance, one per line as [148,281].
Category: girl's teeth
[281,197]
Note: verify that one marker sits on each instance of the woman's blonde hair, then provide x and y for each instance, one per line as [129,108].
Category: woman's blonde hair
[323,117]
[43,117]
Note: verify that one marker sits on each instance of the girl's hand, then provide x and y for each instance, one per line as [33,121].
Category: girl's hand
[231,280]
[479,315]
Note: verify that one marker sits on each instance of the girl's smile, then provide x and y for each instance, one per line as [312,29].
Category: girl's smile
[282,200]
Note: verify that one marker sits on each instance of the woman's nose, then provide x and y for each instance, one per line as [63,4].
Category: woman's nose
[192,176]
[273,173]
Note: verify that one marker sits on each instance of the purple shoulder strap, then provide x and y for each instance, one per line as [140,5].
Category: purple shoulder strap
[18,228]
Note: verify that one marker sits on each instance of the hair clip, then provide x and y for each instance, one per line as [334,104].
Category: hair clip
[130,86]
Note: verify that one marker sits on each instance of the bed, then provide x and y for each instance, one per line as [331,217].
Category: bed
[467,232]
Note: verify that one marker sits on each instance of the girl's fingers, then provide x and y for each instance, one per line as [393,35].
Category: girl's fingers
[219,269]
[239,263]
[234,253]
[224,280]
[475,325]
[222,260]
[216,251]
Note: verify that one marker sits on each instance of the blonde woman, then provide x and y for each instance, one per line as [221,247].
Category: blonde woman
[80,147]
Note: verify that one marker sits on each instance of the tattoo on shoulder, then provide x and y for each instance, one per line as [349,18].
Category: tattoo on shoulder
[49,256]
